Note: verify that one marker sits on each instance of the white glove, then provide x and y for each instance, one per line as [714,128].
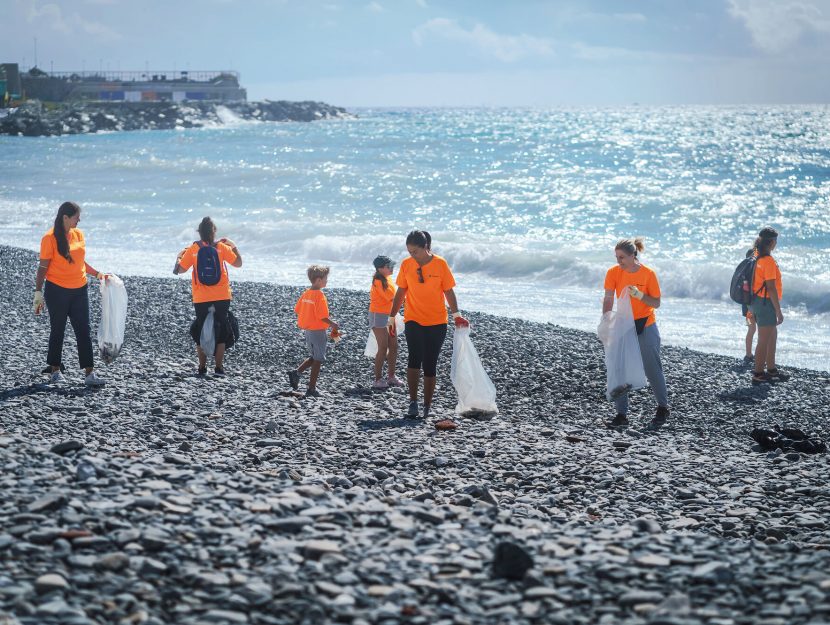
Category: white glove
[38,303]
[636,293]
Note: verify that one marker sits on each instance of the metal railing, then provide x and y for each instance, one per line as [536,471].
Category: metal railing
[200,76]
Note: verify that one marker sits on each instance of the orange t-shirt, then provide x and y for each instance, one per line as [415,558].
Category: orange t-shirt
[215,292]
[380,299]
[767,269]
[644,279]
[61,272]
[425,302]
[311,309]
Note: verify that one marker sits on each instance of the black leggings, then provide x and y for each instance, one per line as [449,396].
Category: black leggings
[220,319]
[424,344]
[73,304]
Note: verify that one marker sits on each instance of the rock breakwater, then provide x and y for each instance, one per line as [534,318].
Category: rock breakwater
[167,498]
[35,119]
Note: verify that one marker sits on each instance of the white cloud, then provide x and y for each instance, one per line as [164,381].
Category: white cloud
[51,16]
[619,17]
[422,3]
[507,48]
[775,25]
[588,52]
[375,7]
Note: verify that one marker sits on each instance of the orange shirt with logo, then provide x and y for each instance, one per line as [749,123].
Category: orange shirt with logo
[767,269]
[380,299]
[61,272]
[425,302]
[644,279]
[214,292]
[311,309]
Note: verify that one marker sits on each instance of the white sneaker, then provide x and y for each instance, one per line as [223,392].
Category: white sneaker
[380,385]
[93,380]
[394,381]
[57,377]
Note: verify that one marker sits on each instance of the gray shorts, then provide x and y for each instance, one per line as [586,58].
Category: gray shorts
[377,320]
[316,342]
[764,311]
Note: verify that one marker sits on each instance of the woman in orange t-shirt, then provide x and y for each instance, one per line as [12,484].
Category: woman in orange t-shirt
[767,289]
[380,301]
[426,282]
[644,290]
[63,269]
[206,295]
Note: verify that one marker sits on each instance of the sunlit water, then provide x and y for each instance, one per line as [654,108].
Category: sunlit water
[525,204]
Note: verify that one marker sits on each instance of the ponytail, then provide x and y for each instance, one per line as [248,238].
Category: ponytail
[763,246]
[67,209]
[632,247]
[384,281]
[207,230]
[765,241]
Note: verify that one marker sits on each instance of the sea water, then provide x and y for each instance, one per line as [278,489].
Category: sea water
[525,204]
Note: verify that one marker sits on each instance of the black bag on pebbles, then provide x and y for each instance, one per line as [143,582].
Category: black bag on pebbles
[786,439]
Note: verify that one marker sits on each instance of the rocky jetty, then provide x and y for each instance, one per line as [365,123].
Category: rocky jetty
[35,119]
[169,498]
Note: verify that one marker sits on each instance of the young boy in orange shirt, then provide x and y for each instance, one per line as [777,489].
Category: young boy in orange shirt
[313,318]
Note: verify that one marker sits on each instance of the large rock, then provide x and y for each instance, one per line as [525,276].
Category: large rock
[32,119]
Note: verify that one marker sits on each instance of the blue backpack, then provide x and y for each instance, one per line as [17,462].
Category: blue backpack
[208,265]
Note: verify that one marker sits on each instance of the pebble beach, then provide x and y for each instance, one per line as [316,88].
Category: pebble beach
[168,498]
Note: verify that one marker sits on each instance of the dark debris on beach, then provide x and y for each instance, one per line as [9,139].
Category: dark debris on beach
[168,498]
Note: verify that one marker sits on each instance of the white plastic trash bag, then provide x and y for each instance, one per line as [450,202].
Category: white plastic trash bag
[371,346]
[207,339]
[476,393]
[113,318]
[623,360]
[372,343]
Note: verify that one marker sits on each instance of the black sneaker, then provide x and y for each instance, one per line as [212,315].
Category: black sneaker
[412,413]
[776,375]
[620,421]
[659,419]
[202,371]
[219,372]
[294,379]
[428,413]
[312,392]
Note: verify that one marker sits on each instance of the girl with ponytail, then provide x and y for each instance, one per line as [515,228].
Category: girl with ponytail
[767,289]
[61,286]
[644,290]
[211,289]
[380,301]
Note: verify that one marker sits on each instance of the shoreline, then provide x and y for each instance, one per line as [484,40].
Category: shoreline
[235,501]
[238,277]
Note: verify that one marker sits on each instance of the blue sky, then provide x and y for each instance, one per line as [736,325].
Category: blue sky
[450,53]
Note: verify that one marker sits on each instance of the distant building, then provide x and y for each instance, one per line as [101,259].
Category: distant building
[221,86]
[10,88]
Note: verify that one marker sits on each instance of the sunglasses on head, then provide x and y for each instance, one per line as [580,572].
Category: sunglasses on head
[420,275]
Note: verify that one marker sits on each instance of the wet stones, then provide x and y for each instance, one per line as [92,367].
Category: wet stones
[345,514]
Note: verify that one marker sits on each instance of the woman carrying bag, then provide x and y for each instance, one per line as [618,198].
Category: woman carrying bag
[61,286]
[211,288]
